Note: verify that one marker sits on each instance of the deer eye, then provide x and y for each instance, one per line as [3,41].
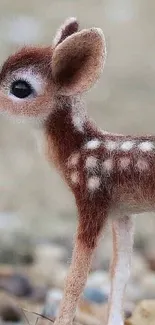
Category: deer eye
[21,89]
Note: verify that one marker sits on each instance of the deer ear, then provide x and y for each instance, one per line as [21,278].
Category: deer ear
[69,27]
[78,61]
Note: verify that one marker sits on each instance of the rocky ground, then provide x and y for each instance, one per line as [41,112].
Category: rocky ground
[34,283]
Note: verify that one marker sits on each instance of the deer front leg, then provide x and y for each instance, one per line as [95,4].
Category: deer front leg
[85,242]
[123,230]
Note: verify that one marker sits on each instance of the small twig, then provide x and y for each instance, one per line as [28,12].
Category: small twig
[36,320]
[37,314]
[25,316]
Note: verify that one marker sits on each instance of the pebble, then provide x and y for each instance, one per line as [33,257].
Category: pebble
[16,284]
[65,242]
[148,285]
[88,309]
[16,248]
[98,279]
[134,291]
[47,253]
[139,243]
[48,267]
[144,314]
[151,261]
[129,307]
[59,276]
[90,297]
[51,275]
[9,311]
[52,303]
[149,253]
[27,259]
[95,295]
[91,314]
[139,267]
[38,294]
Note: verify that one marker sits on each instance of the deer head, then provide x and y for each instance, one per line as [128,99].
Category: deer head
[33,78]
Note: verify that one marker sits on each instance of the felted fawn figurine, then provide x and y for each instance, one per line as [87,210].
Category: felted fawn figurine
[111,176]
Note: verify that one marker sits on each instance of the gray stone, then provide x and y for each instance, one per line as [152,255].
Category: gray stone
[95,295]
[52,303]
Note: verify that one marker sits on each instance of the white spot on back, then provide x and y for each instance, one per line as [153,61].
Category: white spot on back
[146,146]
[75,177]
[93,144]
[91,162]
[107,165]
[73,159]
[111,145]
[124,162]
[127,145]
[142,164]
[93,183]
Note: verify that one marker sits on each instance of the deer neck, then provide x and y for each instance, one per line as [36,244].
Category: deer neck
[67,129]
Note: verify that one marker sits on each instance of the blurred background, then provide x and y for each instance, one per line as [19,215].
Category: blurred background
[37,212]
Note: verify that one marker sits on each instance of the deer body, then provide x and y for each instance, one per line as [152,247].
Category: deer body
[93,162]
[111,176]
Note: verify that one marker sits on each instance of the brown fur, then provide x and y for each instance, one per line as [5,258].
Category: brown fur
[65,70]
[38,58]
[70,27]
[77,62]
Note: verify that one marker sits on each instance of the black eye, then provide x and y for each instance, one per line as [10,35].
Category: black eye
[21,89]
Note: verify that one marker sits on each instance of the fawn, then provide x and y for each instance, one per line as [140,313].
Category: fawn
[111,176]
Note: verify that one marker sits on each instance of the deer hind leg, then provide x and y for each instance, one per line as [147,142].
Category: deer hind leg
[86,238]
[123,230]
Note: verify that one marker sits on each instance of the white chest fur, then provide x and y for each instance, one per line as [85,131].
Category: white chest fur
[40,140]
